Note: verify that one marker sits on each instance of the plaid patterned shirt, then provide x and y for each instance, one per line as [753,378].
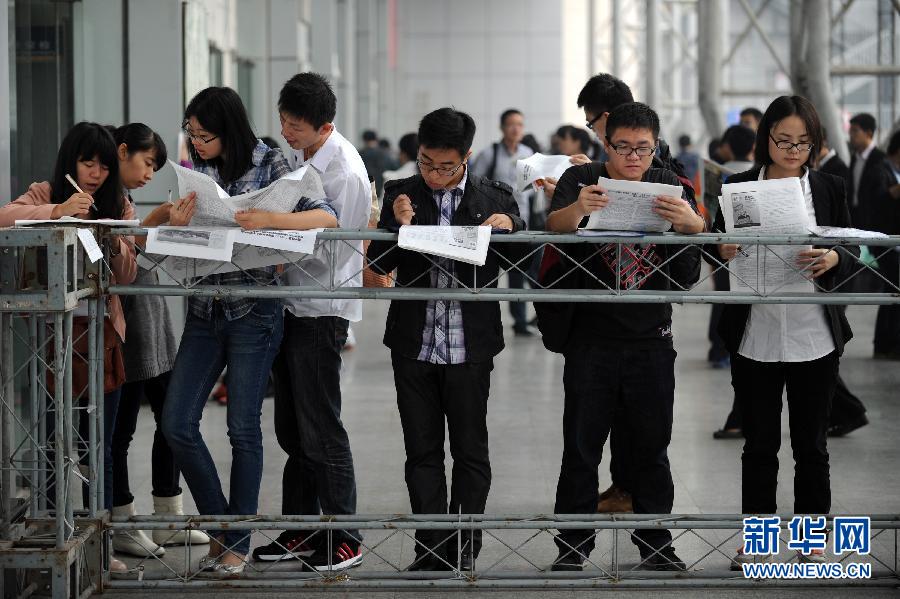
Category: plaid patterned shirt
[268,166]
[443,339]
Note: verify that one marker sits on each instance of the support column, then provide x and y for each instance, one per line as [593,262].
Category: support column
[711,18]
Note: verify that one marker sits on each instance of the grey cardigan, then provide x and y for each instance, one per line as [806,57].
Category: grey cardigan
[150,347]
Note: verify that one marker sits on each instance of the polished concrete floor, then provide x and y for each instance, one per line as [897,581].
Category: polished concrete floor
[525,425]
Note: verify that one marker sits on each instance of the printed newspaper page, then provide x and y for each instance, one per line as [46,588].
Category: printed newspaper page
[630,206]
[774,207]
[465,244]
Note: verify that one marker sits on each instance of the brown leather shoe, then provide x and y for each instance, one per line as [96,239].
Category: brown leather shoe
[618,501]
[607,493]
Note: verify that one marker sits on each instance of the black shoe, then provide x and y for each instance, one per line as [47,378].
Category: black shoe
[423,563]
[839,430]
[887,355]
[522,331]
[725,433]
[347,555]
[568,560]
[664,560]
[291,544]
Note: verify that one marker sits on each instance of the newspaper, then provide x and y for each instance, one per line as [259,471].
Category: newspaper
[245,257]
[540,166]
[207,243]
[291,241]
[465,244]
[71,220]
[768,207]
[630,206]
[215,207]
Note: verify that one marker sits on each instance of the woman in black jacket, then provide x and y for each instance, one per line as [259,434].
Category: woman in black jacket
[793,346]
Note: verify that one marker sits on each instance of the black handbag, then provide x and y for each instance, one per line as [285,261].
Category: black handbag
[554,319]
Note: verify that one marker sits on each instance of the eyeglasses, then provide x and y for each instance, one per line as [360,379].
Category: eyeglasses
[201,138]
[642,151]
[444,172]
[590,123]
[788,146]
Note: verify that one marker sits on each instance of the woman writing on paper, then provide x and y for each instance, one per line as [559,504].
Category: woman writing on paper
[88,156]
[792,346]
[241,334]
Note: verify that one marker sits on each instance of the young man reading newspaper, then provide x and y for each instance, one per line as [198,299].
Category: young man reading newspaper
[619,358]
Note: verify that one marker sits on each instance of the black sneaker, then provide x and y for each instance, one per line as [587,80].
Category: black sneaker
[664,560]
[347,555]
[568,560]
[291,544]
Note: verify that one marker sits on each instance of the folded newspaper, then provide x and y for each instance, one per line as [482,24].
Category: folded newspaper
[540,166]
[465,244]
[213,243]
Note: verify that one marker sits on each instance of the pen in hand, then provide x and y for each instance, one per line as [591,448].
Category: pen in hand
[78,189]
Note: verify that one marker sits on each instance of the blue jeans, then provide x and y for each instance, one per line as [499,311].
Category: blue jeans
[247,346]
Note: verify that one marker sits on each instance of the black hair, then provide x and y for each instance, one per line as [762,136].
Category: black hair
[270,141]
[86,141]
[781,108]
[633,115]
[602,93]
[369,135]
[447,129]
[754,112]
[684,140]
[409,145]
[308,96]
[740,139]
[894,143]
[384,144]
[219,110]
[713,150]
[865,121]
[138,137]
[507,113]
[531,142]
[578,134]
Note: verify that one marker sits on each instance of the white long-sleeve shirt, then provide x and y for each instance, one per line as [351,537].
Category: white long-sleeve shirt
[349,193]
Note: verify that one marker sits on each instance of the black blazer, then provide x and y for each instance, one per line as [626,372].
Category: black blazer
[867,204]
[831,210]
[481,319]
[837,167]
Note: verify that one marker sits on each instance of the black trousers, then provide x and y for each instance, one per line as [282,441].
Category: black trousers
[318,476]
[164,474]
[427,396]
[717,350]
[810,387]
[599,383]
[887,323]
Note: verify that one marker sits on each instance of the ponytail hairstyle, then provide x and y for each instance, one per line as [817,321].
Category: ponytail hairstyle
[138,137]
[87,141]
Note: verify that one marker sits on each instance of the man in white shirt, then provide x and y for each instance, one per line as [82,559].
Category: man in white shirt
[318,475]
[498,163]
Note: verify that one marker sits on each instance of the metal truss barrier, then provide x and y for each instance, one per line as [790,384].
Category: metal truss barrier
[516,553]
[322,270]
[54,534]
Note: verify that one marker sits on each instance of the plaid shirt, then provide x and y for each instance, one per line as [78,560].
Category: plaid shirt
[443,338]
[268,166]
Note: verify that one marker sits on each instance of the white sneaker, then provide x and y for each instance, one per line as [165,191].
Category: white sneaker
[172,506]
[133,542]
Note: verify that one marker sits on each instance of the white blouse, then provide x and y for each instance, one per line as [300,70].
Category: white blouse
[788,332]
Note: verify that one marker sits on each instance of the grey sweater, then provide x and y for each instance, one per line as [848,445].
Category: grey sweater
[150,346]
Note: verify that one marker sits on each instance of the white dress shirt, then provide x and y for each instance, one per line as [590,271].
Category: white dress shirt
[349,193]
[858,168]
[788,332]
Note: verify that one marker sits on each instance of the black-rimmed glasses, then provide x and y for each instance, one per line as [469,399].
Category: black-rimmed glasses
[442,171]
[787,146]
